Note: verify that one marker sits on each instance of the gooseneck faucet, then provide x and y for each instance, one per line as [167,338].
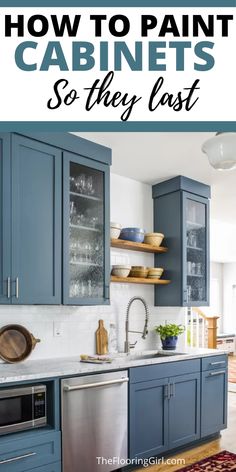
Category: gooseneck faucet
[144,333]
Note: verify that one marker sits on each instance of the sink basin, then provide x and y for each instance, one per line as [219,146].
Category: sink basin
[145,356]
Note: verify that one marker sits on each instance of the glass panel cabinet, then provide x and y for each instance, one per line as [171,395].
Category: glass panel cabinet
[86,260]
[196,241]
[181,212]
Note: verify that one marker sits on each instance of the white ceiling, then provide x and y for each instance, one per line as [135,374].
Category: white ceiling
[153,157]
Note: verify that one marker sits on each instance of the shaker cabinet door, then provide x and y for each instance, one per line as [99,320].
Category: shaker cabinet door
[148,418]
[36,222]
[184,410]
[86,234]
[5,219]
[214,401]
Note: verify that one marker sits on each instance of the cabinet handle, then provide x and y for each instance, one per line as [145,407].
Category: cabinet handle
[18,458]
[172,390]
[8,287]
[17,287]
[166,391]
[213,374]
[217,363]
[185,298]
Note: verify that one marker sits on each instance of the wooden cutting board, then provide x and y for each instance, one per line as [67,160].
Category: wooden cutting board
[101,339]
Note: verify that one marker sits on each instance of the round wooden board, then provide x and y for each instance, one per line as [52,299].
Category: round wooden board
[16,343]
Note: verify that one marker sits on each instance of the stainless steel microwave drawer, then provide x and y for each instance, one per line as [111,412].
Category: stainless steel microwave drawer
[20,455]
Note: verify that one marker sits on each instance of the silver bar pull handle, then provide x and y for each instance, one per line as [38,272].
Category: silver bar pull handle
[172,390]
[219,372]
[18,458]
[17,287]
[217,363]
[8,287]
[68,388]
[166,391]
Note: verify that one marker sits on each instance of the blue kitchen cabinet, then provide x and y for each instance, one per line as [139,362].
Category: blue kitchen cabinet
[181,212]
[164,412]
[86,234]
[5,219]
[33,451]
[30,221]
[148,419]
[184,410]
[36,222]
[214,396]
[54,186]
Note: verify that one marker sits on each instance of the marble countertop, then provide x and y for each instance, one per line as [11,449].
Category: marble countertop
[63,367]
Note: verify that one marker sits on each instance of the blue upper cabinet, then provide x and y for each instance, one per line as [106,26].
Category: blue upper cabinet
[181,212]
[5,219]
[86,233]
[54,187]
[36,222]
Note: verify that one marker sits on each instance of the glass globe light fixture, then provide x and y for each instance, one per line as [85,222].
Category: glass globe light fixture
[221,150]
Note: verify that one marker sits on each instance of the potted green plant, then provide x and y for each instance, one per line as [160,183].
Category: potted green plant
[169,335]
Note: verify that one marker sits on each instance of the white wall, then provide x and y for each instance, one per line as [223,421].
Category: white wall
[131,205]
[229,298]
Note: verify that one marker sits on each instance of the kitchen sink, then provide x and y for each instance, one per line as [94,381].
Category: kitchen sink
[145,356]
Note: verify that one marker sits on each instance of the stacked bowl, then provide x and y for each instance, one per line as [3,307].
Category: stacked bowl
[115,229]
[155,272]
[138,271]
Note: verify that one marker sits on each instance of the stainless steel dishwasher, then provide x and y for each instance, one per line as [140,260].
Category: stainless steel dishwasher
[94,421]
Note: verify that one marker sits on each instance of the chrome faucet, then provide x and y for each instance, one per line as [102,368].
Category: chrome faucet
[144,333]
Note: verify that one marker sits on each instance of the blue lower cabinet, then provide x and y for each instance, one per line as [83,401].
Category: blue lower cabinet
[213,401]
[184,409]
[28,453]
[164,413]
[148,420]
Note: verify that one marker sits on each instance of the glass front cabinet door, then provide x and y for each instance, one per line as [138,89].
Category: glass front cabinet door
[86,231]
[181,212]
[195,250]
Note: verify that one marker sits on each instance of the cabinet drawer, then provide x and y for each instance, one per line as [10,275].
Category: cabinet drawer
[27,453]
[55,467]
[158,371]
[214,362]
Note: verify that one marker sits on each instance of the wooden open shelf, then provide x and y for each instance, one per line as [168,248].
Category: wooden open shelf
[142,247]
[139,280]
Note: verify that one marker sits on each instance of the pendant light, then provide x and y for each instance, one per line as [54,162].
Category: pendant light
[221,151]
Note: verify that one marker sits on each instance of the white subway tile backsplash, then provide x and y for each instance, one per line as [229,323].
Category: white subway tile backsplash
[80,323]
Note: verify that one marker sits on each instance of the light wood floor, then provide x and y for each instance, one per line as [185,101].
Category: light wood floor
[226,441]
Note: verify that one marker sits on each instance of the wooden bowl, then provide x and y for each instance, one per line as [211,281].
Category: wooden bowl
[16,343]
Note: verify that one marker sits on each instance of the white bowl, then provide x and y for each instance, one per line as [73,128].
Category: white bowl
[115,233]
[120,271]
[115,229]
[115,225]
